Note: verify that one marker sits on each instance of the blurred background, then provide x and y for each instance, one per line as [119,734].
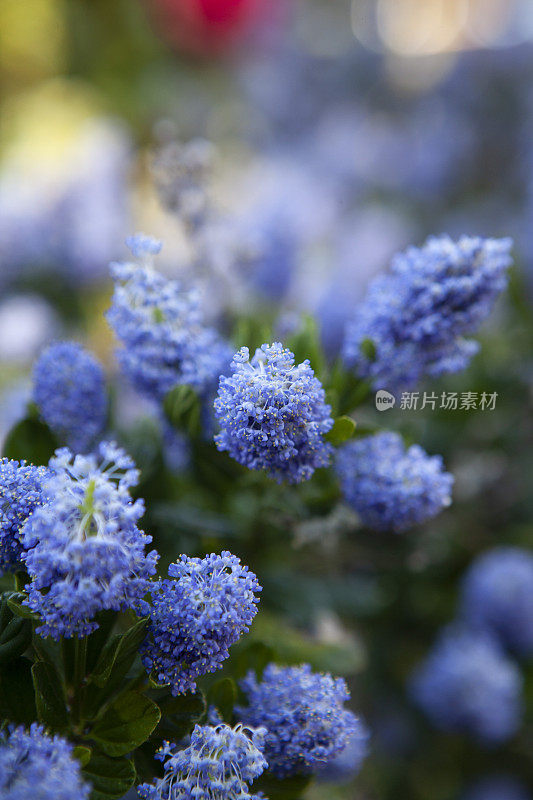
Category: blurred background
[340,133]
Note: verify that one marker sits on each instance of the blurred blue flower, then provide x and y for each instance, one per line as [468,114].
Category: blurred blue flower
[497,594]
[391,487]
[418,314]
[304,716]
[69,389]
[36,766]
[497,787]
[468,685]
[273,415]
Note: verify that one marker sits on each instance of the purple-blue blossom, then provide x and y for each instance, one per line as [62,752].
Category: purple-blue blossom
[69,389]
[160,326]
[196,615]
[468,685]
[304,716]
[418,315]
[497,594]
[390,486]
[273,414]
[37,766]
[21,492]
[219,764]
[86,553]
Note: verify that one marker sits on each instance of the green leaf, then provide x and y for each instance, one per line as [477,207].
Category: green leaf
[82,754]
[342,430]
[223,695]
[126,724]
[31,440]
[291,788]
[368,349]
[306,343]
[15,633]
[109,777]
[254,656]
[17,701]
[183,409]
[49,696]
[15,604]
[119,654]
[180,714]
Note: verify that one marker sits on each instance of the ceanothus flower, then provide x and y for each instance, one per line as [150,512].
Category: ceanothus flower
[468,685]
[392,488]
[497,787]
[304,716]
[273,415]
[21,492]
[418,315]
[219,764]
[36,766]
[497,594]
[165,342]
[87,553]
[347,764]
[69,389]
[196,616]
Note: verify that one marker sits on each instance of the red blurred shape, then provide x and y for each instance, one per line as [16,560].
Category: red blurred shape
[210,27]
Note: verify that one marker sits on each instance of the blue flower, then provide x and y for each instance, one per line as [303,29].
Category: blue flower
[197,616]
[418,315]
[69,389]
[36,766]
[165,342]
[85,551]
[468,685]
[391,487]
[219,764]
[304,716]
[497,594]
[497,787]
[347,763]
[273,414]
[21,492]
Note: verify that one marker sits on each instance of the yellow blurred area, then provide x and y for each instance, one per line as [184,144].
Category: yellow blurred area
[32,40]
[41,124]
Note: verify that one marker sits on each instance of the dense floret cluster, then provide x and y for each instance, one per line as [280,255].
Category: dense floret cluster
[304,716]
[497,594]
[418,315]
[21,492]
[196,615]
[273,415]
[86,553]
[35,766]
[69,389]
[219,764]
[467,685]
[160,327]
[392,488]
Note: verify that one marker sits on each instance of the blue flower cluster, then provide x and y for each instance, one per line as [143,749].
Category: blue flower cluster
[392,488]
[219,764]
[468,685]
[304,716]
[85,551]
[348,762]
[165,342]
[35,766]
[21,492]
[273,414]
[497,787]
[497,595]
[418,315]
[69,389]
[196,616]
